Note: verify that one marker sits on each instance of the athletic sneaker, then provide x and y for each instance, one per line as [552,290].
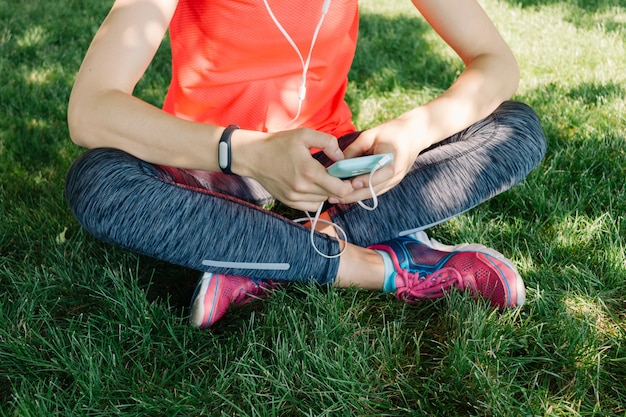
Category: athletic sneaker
[215,293]
[426,268]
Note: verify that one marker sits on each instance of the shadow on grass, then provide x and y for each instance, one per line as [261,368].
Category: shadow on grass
[587,5]
[586,14]
[393,53]
[596,94]
[397,46]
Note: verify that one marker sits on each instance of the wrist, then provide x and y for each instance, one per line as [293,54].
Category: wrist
[224,152]
[419,123]
[245,154]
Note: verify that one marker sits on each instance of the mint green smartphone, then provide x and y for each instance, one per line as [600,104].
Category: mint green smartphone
[352,167]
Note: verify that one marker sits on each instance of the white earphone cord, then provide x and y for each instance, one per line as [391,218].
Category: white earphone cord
[338,228]
[305,64]
[301,97]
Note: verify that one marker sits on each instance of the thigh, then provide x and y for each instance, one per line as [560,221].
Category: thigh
[157,212]
[452,177]
[512,131]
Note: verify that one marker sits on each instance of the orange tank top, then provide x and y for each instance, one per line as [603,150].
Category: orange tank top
[232,64]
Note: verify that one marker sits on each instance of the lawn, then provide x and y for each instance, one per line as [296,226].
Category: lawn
[90,329]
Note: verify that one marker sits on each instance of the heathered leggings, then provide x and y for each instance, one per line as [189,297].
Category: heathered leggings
[214,222]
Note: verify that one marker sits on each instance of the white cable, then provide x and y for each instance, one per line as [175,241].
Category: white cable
[305,64]
[383,161]
[301,96]
[314,221]
[340,231]
[371,187]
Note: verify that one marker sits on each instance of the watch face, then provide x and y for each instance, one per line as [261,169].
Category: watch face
[223,157]
[223,149]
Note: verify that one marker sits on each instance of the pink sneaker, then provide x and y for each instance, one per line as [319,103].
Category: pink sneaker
[426,268]
[215,293]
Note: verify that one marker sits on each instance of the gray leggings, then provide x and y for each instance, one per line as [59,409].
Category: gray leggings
[214,222]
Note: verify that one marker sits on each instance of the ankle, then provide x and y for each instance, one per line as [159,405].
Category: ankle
[389,284]
[361,268]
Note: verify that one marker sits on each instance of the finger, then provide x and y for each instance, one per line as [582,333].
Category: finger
[380,176]
[366,193]
[361,146]
[382,182]
[309,194]
[333,186]
[307,203]
[358,195]
[326,143]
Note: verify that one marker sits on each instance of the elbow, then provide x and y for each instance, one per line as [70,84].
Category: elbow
[513,78]
[74,128]
[78,121]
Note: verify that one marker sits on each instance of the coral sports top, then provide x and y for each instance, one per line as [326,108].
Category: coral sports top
[231,64]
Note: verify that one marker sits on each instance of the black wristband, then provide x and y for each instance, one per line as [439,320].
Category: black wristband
[223,149]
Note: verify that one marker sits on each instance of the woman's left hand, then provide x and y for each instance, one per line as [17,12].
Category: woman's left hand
[397,136]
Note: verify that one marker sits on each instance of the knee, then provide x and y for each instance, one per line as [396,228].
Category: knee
[91,182]
[526,126]
[87,171]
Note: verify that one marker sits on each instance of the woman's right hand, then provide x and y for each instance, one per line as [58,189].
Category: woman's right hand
[283,164]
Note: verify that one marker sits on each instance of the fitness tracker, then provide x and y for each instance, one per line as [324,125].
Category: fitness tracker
[223,149]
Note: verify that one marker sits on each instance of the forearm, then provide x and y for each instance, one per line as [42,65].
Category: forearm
[280,161]
[479,90]
[118,120]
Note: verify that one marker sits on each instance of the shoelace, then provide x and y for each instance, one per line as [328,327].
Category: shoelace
[316,219]
[246,295]
[430,286]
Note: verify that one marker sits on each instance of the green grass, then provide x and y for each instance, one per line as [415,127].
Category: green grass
[89,329]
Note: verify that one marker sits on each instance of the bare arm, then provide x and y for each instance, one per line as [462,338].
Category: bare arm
[103,112]
[491,76]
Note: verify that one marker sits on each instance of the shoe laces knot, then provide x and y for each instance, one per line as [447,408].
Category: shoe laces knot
[429,286]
